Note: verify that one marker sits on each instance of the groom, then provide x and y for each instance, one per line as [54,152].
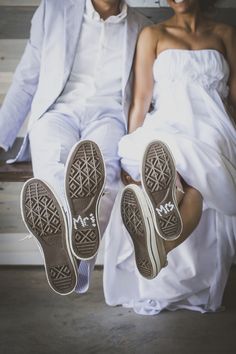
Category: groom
[75,80]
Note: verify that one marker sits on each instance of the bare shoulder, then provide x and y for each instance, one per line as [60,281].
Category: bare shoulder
[161,28]
[226,32]
[147,35]
[152,33]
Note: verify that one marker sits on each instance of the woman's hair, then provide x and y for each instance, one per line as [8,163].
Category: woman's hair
[206,5]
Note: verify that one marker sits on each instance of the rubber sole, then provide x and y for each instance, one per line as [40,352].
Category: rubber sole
[45,220]
[158,177]
[84,184]
[150,255]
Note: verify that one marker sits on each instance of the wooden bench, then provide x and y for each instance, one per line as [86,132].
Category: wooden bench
[17,172]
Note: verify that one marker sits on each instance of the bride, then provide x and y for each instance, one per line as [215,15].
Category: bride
[173,242]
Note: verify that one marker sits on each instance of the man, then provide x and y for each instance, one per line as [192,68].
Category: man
[75,78]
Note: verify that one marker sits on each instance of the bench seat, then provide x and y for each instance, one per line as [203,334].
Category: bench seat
[17,172]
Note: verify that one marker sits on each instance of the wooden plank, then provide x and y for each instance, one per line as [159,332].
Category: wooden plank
[15,21]
[10,215]
[12,152]
[17,172]
[11,51]
[14,250]
[5,82]
[19,2]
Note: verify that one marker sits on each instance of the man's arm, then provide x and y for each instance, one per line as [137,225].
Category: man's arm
[18,100]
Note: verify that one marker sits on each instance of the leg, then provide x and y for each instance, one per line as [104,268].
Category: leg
[106,133]
[190,208]
[85,178]
[127,179]
[190,211]
[174,218]
[51,139]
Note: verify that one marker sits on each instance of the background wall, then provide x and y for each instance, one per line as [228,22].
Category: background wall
[158,10]
[164,3]
[15,16]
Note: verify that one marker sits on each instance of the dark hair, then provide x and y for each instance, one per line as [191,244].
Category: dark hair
[206,5]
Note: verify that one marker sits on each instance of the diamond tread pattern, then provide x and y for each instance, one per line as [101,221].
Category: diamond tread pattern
[159,183]
[86,173]
[132,217]
[85,179]
[43,217]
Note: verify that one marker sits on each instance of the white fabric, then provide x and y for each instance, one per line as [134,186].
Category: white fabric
[46,65]
[96,76]
[190,117]
[51,140]
[53,136]
[39,80]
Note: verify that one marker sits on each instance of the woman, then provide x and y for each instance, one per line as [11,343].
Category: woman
[185,67]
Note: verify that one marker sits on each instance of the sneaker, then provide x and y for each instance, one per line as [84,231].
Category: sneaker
[149,250]
[84,184]
[45,219]
[158,177]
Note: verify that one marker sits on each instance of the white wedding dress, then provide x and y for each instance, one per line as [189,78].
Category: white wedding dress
[189,115]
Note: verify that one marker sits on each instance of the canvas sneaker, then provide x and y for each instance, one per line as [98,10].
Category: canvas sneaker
[149,249]
[158,178]
[45,219]
[84,185]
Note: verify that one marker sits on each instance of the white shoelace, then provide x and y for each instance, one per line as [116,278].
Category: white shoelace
[27,237]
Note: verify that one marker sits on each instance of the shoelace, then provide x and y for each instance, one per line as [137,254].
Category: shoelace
[27,237]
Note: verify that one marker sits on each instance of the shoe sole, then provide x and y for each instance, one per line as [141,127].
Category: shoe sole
[84,184]
[150,256]
[158,177]
[45,220]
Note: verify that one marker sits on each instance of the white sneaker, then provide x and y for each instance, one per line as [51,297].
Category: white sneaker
[84,185]
[149,250]
[158,178]
[45,219]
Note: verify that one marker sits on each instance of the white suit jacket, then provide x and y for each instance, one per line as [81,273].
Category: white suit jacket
[47,62]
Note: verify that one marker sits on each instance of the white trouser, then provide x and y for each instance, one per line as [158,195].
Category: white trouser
[51,139]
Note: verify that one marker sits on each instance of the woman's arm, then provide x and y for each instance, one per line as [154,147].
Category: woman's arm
[143,77]
[230,44]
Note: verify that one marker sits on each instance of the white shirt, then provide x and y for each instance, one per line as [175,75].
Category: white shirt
[96,76]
